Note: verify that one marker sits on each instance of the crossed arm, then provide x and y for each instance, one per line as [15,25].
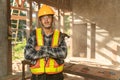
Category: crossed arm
[33,52]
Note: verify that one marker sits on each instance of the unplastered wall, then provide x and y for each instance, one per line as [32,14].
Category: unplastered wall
[4,67]
[106,15]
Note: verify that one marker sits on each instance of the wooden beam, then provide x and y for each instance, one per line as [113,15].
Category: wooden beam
[30,15]
[63,4]
[15,17]
[9,51]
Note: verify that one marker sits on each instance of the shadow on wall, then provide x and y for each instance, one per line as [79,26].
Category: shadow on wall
[104,13]
[107,37]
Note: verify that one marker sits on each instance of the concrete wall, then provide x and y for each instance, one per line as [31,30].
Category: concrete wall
[106,15]
[4,67]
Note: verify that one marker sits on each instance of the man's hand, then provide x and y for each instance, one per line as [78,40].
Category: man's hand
[37,48]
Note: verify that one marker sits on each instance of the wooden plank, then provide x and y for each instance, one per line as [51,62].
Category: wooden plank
[96,73]
[19,8]
[15,17]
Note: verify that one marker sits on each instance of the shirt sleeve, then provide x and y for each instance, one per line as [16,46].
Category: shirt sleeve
[29,52]
[59,52]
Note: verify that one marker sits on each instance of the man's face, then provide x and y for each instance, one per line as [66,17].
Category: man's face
[47,21]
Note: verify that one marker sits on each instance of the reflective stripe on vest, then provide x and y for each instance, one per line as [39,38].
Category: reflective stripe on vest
[39,37]
[55,38]
[38,67]
[51,66]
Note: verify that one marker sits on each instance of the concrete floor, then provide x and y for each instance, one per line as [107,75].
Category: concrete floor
[73,77]
[18,77]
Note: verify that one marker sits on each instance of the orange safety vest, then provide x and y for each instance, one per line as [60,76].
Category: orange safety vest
[50,66]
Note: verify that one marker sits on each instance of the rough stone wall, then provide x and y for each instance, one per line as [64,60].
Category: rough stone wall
[106,15]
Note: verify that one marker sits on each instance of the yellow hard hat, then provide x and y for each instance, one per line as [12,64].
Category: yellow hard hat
[45,10]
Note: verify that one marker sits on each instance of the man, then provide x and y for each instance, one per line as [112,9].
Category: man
[46,48]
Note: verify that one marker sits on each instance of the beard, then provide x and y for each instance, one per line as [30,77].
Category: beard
[47,25]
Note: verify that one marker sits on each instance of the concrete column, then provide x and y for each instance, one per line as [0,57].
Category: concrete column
[93,30]
[5,55]
[91,39]
[79,40]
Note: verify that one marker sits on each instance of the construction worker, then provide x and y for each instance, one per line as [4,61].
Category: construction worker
[46,48]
